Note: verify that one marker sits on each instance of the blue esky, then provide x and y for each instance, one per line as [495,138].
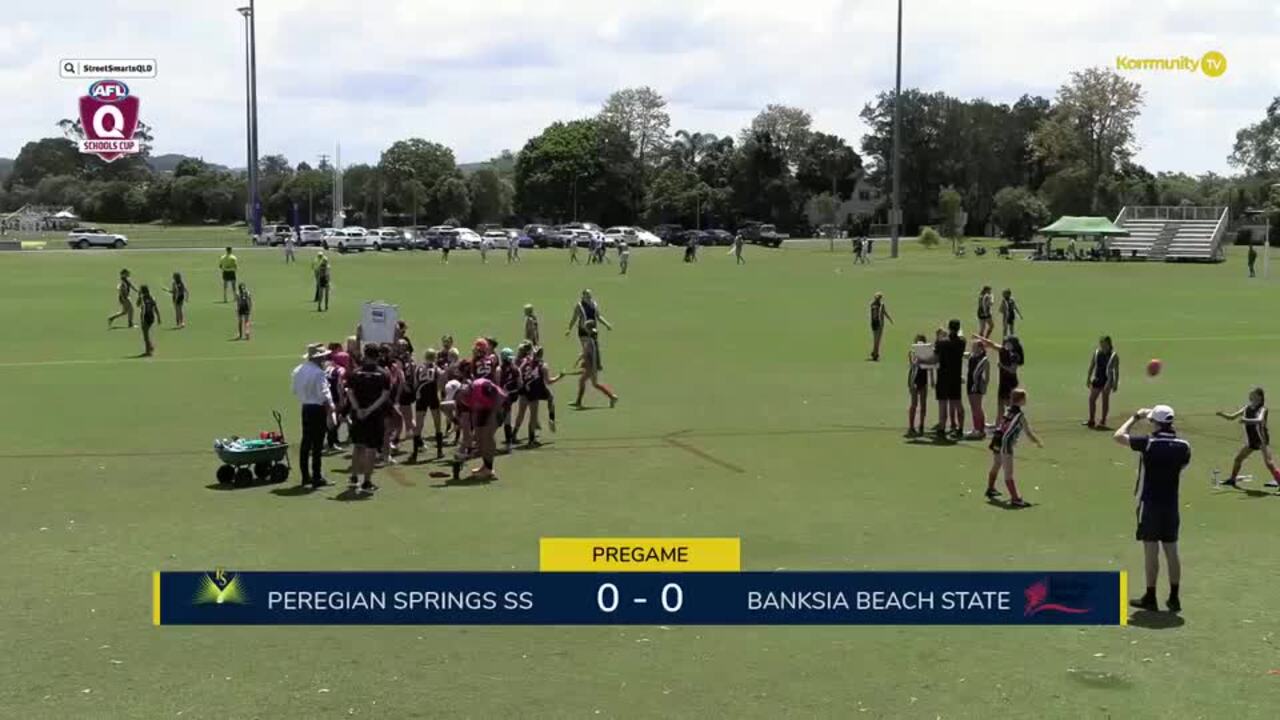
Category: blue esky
[485,76]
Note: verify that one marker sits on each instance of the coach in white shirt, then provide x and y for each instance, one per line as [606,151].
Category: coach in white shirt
[311,387]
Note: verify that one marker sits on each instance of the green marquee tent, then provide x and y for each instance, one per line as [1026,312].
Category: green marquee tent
[1073,226]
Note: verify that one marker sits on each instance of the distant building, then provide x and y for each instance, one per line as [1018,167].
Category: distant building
[39,218]
[865,200]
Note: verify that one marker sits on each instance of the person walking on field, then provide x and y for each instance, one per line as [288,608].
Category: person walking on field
[879,314]
[322,283]
[986,325]
[1164,455]
[150,316]
[244,313]
[311,388]
[124,296]
[738,242]
[290,240]
[228,264]
[1253,260]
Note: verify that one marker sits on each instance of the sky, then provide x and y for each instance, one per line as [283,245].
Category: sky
[481,77]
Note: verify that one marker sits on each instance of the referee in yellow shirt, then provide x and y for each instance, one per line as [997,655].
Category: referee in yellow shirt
[228,264]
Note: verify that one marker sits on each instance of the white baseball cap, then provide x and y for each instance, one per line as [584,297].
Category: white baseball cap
[1162,414]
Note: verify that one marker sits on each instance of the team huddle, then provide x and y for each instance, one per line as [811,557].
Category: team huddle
[385,392]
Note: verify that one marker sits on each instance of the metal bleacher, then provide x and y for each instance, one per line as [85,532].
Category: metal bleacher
[1172,233]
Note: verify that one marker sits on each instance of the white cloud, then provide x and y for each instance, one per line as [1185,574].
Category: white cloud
[481,77]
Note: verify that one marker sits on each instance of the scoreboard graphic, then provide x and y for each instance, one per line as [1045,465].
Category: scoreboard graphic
[639,581]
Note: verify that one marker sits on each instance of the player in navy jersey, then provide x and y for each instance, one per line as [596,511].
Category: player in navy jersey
[977,377]
[427,400]
[180,295]
[1010,313]
[150,316]
[1013,425]
[1257,438]
[879,314]
[1102,379]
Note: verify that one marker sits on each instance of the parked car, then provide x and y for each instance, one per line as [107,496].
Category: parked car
[388,238]
[762,234]
[538,233]
[273,234]
[668,233]
[521,238]
[310,235]
[327,237]
[500,238]
[634,236]
[82,238]
[717,236]
[350,239]
[467,239]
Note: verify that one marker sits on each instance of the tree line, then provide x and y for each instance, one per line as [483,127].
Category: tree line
[995,167]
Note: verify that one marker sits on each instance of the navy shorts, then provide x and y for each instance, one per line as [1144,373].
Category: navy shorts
[1158,523]
[369,432]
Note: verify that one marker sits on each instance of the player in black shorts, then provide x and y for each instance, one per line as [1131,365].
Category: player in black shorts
[427,399]
[510,381]
[180,295]
[1102,379]
[1164,455]
[408,395]
[986,325]
[150,313]
[535,388]
[919,378]
[1010,358]
[977,377]
[950,386]
[369,395]
[879,314]
[1256,437]
[1010,313]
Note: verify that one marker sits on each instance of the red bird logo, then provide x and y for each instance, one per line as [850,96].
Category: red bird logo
[1038,593]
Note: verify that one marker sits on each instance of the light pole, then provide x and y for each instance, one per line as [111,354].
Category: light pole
[251,152]
[895,221]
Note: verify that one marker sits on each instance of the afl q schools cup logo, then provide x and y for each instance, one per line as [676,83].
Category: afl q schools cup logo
[109,117]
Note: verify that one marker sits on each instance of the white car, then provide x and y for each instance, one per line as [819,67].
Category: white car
[82,238]
[634,236]
[467,239]
[387,239]
[501,239]
[273,235]
[351,238]
[310,235]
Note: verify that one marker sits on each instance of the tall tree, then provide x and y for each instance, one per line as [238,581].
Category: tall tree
[450,199]
[490,196]
[417,159]
[1092,126]
[827,164]
[582,163]
[789,127]
[640,114]
[1257,146]
[44,158]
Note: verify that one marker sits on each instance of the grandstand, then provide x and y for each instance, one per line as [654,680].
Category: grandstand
[1163,233]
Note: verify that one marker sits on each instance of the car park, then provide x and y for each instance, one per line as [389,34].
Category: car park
[668,233]
[500,238]
[717,237]
[765,234]
[85,237]
[273,234]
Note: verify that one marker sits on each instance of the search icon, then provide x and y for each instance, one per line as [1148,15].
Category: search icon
[68,68]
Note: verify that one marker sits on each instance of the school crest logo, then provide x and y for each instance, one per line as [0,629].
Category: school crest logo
[221,588]
[109,119]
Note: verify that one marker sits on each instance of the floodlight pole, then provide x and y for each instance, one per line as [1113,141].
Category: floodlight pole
[253,94]
[251,165]
[895,218]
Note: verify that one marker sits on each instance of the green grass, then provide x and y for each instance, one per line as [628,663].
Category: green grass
[105,459]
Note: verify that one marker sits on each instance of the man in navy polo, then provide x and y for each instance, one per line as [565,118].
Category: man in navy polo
[1164,455]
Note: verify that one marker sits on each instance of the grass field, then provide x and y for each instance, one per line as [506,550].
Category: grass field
[791,440]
